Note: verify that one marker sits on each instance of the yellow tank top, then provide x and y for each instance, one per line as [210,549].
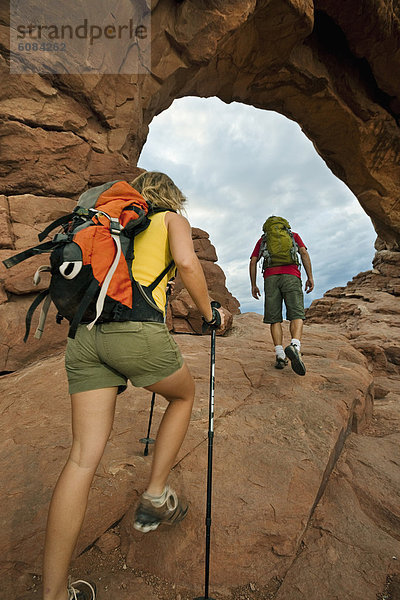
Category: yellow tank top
[152,255]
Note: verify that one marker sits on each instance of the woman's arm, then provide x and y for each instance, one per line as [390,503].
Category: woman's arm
[187,263]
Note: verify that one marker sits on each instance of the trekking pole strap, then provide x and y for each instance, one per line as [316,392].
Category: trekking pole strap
[216,318]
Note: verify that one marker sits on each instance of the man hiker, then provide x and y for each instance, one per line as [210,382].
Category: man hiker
[279,248]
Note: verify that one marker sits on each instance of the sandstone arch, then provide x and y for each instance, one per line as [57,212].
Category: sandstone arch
[328,65]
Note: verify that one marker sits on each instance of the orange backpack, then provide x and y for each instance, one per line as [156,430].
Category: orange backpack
[91,261]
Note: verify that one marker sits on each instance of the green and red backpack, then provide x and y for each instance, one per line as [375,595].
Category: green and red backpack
[278,246]
[91,261]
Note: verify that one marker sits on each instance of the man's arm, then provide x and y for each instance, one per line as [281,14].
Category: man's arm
[255,292]
[306,260]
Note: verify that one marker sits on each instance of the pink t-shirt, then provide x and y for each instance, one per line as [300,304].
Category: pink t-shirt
[284,269]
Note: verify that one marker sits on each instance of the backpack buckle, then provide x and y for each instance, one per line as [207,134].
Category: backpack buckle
[115,227]
[62,237]
[81,211]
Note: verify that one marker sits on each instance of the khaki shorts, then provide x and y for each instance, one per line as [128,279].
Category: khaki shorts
[286,288]
[112,353]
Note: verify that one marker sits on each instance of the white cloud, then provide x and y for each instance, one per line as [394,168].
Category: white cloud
[238,165]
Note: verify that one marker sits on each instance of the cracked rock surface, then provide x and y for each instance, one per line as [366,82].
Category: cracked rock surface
[281,445]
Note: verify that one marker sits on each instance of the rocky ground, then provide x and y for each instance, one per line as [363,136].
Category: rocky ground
[311,474]
[116,581]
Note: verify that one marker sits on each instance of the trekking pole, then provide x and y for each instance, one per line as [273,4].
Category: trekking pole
[210,452]
[148,440]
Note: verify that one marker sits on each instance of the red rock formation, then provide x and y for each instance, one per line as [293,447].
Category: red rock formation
[368,311]
[183,317]
[315,62]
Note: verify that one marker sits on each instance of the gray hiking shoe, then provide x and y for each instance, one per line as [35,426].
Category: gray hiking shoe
[294,355]
[81,590]
[150,514]
[281,363]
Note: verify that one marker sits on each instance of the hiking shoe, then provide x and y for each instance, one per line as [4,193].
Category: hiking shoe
[281,363]
[293,354]
[81,590]
[151,513]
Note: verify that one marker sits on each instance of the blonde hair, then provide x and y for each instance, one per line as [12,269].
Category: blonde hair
[159,190]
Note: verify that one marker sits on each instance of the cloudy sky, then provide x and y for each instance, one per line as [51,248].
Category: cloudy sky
[238,165]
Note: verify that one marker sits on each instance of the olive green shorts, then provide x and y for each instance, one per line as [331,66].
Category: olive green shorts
[112,353]
[283,288]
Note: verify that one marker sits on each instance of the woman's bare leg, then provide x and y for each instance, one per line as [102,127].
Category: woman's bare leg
[92,420]
[178,389]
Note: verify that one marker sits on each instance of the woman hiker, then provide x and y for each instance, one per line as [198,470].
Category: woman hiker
[100,361]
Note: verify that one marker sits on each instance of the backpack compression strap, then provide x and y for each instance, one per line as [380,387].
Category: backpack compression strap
[28,319]
[86,300]
[57,223]
[43,316]
[17,258]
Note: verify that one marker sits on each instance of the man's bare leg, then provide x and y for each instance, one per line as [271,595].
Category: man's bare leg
[277,333]
[296,329]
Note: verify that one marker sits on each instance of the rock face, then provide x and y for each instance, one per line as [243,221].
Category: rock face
[182,316]
[23,217]
[276,447]
[327,64]
[368,311]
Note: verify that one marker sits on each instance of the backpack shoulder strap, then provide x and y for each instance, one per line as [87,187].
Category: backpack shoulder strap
[264,253]
[161,276]
[294,250]
[154,210]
